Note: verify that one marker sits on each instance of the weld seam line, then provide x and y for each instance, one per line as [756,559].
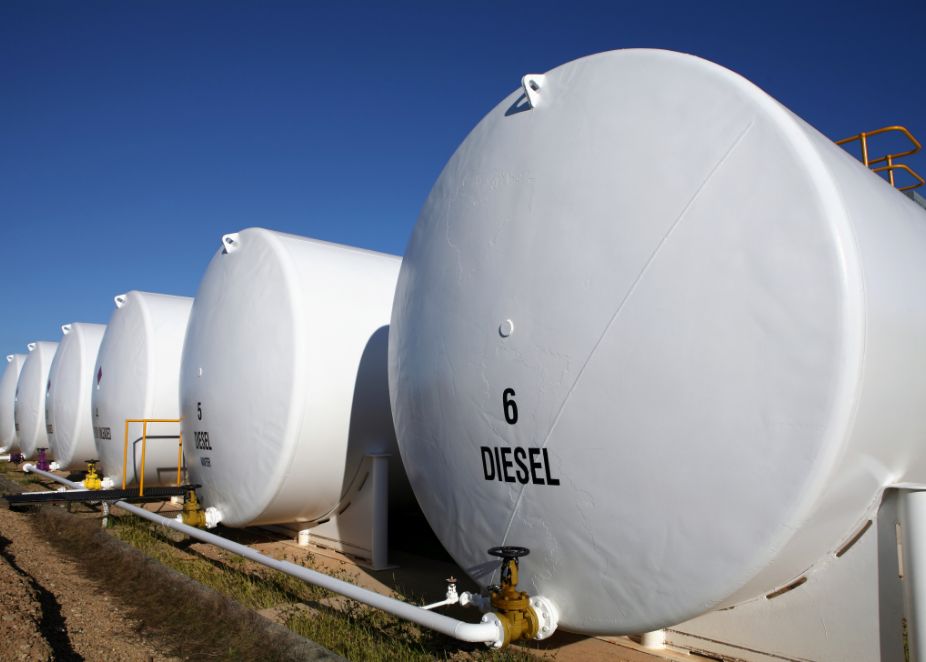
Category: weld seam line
[620,306]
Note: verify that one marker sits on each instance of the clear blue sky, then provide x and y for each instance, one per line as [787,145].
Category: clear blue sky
[134,133]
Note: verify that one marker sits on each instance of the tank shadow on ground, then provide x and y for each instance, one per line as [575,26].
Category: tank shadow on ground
[52,626]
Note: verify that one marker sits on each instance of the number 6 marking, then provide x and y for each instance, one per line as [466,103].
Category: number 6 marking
[510,406]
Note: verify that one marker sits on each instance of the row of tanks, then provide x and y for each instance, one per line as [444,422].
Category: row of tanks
[650,324]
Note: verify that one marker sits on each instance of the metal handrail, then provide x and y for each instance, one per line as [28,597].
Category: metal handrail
[901,166]
[888,159]
[144,442]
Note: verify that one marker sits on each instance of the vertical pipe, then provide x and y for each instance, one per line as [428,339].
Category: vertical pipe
[144,443]
[380,487]
[913,524]
[125,452]
[179,456]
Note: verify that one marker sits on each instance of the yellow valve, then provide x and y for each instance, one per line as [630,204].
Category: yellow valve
[512,606]
[92,480]
[193,514]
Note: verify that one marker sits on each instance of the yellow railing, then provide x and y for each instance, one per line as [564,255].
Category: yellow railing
[144,442]
[889,160]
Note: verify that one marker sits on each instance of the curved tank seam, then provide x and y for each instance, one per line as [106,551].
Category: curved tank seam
[630,291]
[856,389]
[81,405]
[293,425]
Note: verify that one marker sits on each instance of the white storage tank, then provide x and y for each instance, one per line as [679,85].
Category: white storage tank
[659,330]
[29,410]
[9,440]
[67,402]
[136,376]
[284,385]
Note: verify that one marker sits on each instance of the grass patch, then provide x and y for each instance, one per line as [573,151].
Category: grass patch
[221,623]
[349,628]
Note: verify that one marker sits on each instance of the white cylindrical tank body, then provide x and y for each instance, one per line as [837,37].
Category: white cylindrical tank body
[661,331]
[136,376]
[29,410]
[9,440]
[70,386]
[284,385]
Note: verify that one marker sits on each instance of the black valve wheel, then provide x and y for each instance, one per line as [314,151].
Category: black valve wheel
[509,552]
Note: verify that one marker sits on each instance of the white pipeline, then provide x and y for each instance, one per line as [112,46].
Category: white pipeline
[487,631]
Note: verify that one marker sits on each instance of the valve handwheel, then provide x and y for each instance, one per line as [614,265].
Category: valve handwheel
[509,552]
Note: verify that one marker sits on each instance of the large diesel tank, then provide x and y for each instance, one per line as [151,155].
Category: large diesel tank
[284,383]
[29,410]
[70,386]
[136,376]
[9,440]
[661,331]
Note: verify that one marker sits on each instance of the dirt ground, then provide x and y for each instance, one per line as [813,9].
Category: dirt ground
[49,611]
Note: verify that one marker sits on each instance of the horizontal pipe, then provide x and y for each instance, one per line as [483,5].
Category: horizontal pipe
[470,632]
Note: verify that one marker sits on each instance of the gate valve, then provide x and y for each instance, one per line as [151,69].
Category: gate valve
[92,479]
[42,463]
[192,514]
[512,607]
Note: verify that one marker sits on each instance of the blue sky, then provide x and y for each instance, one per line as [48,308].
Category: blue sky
[133,134]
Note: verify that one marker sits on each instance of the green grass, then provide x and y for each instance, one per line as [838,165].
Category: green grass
[351,629]
[346,627]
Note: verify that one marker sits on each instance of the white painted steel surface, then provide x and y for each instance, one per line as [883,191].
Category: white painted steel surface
[710,321]
[9,440]
[67,401]
[284,383]
[136,375]
[29,409]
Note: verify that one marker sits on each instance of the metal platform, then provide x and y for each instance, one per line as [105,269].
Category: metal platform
[128,494]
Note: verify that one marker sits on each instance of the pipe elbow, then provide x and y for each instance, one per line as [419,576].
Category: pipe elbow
[489,631]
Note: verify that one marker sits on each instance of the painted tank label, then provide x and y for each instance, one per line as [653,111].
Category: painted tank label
[517,465]
[49,428]
[102,433]
[201,440]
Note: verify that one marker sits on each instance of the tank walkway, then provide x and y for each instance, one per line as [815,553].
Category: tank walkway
[128,494]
